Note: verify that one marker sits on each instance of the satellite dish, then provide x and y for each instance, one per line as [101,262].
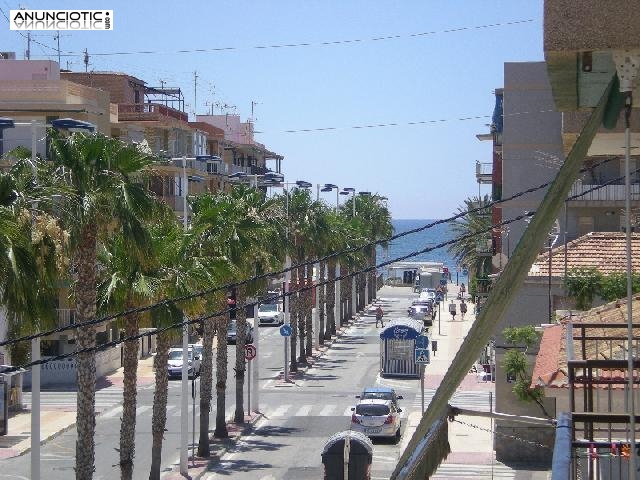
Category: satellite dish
[499,260]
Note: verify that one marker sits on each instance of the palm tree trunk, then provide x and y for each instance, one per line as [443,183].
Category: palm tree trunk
[129,397]
[221,377]
[345,295]
[86,310]
[320,289]
[206,382]
[241,336]
[331,299]
[294,311]
[302,312]
[308,296]
[159,418]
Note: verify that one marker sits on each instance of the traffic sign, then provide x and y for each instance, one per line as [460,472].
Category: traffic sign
[285,330]
[250,351]
[422,341]
[422,355]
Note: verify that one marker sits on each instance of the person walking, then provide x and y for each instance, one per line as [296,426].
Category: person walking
[463,309]
[463,289]
[379,314]
[452,310]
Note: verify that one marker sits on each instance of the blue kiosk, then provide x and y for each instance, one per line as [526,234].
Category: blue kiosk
[397,348]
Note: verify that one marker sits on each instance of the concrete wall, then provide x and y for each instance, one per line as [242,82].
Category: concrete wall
[64,372]
[531,143]
[529,307]
[122,88]
[29,70]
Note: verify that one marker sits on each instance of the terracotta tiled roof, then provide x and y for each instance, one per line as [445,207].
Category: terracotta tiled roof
[605,251]
[550,369]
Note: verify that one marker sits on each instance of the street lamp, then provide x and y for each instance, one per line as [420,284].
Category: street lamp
[328,187]
[277,182]
[63,123]
[352,191]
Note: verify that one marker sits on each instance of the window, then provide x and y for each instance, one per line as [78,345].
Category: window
[372,410]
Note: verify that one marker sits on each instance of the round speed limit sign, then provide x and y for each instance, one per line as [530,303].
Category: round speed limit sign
[250,352]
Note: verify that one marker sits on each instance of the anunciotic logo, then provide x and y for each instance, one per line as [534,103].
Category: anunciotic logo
[61,20]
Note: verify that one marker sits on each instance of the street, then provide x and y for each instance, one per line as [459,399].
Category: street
[297,417]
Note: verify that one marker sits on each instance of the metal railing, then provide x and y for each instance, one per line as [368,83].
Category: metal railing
[595,192]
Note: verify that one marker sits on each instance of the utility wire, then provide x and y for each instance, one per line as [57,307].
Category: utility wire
[307,44]
[394,124]
[200,319]
[180,325]
[230,286]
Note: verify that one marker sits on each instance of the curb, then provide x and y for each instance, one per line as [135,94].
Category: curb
[225,444]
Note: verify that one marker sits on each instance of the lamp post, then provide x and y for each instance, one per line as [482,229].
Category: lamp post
[184,394]
[62,124]
[276,181]
[328,187]
[352,191]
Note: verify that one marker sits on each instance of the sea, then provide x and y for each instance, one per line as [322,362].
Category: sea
[413,243]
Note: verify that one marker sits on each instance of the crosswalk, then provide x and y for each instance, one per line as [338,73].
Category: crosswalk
[460,471]
[106,398]
[474,400]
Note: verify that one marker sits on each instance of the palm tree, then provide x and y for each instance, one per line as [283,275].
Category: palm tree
[127,281]
[318,232]
[104,193]
[180,271]
[376,219]
[301,221]
[465,250]
[30,257]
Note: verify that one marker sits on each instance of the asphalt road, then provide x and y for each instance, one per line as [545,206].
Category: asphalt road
[298,418]
[58,455]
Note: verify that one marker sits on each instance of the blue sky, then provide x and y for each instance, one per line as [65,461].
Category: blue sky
[441,67]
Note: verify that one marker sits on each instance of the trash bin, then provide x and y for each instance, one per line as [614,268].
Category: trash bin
[353,446]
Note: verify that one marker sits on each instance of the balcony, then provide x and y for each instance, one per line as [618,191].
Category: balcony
[148,112]
[484,247]
[484,173]
[66,316]
[581,192]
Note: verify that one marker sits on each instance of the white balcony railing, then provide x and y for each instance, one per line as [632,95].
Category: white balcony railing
[66,316]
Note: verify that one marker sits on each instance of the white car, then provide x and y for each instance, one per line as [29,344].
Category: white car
[377,418]
[270,314]
[174,363]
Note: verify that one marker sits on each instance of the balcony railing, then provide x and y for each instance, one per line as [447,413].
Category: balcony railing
[148,112]
[66,316]
[587,192]
[484,247]
[484,172]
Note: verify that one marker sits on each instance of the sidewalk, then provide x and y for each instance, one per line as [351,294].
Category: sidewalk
[470,438]
[56,420]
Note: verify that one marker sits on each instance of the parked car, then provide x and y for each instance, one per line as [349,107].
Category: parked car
[232,333]
[174,363]
[377,418]
[380,393]
[270,314]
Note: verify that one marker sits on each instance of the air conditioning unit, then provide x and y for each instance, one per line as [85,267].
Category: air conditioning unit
[7,55]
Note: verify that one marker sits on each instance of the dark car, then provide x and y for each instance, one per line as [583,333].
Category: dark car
[232,333]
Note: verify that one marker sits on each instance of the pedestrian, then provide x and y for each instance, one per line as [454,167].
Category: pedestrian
[463,309]
[463,289]
[379,314]
[452,310]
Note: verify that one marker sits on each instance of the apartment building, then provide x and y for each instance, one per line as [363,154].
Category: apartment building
[545,108]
